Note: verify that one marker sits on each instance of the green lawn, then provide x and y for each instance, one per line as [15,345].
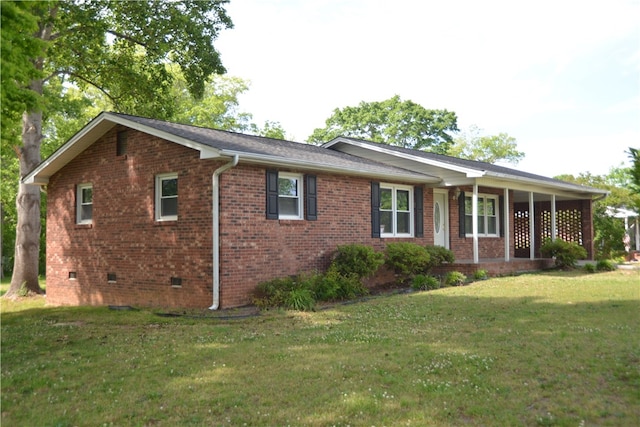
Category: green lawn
[541,349]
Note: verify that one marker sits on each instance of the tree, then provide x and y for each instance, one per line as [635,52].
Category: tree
[634,155]
[487,148]
[219,107]
[394,122]
[120,48]
[608,231]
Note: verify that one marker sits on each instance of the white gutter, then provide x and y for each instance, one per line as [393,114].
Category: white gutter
[215,224]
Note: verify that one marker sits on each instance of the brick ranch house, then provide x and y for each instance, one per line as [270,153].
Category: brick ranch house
[151,213]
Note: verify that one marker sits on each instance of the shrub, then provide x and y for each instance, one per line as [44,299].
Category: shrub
[407,259]
[438,255]
[566,254]
[590,268]
[455,278]
[480,275]
[605,265]
[274,292]
[300,299]
[333,285]
[361,260]
[423,282]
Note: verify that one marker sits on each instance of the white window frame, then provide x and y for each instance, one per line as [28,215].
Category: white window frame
[80,203]
[482,200]
[158,197]
[300,187]
[394,210]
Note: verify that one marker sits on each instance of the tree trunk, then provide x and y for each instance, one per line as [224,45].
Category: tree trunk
[25,266]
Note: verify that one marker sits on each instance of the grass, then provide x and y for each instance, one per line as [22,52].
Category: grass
[542,349]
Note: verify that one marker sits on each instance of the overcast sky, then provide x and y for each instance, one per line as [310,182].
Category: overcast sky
[560,76]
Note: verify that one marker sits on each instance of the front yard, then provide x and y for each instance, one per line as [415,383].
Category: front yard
[556,348]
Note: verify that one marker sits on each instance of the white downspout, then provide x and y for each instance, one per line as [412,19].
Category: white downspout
[215,225]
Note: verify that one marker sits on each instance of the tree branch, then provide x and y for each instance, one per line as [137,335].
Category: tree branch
[129,38]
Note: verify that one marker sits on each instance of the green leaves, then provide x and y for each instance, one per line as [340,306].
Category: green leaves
[394,122]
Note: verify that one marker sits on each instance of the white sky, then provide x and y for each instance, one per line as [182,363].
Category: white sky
[560,76]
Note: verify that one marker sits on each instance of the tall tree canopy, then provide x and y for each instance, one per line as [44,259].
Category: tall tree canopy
[486,148]
[122,49]
[394,122]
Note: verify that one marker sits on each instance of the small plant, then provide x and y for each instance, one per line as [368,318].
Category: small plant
[605,265]
[274,293]
[455,278]
[423,282]
[590,268]
[300,299]
[438,255]
[480,275]
[566,254]
[407,259]
[361,260]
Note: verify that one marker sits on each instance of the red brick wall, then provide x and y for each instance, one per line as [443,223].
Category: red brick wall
[144,254]
[124,238]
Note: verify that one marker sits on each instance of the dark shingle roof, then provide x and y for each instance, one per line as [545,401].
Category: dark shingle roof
[273,149]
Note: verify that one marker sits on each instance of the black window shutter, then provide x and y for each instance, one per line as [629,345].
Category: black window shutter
[461,216]
[375,209]
[418,199]
[501,215]
[311,196]
[272,194]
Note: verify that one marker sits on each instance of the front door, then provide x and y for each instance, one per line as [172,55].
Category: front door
[440,219]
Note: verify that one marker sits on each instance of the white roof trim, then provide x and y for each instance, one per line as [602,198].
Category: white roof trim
[470,173]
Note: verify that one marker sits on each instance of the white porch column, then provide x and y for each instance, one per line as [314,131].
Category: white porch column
[554,226]
[474,221]
[506,227]
[532,228]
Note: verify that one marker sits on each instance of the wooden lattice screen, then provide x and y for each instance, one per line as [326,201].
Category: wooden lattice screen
[568,222]
[521,239]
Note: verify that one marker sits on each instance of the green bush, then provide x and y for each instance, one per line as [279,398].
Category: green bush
[423,282]
[590,268]
[274,292]
[333,285]
[361,260]
[455,278]
[300,299]
[605,265]
[407,259]
[566,254]
[438,255]
[480,275]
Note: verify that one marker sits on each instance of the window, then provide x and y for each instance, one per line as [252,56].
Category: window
[487,215]
[167,197]
[396,217]
[121,143]
[289,196]
[84,200]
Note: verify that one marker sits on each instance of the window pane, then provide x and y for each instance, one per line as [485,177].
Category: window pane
[385,222]
[86,212]
[170,187]
[288,206]
[491,207]
[480,224]
[481,207]
[404,222]
[468,224]
[491,222]
[87,195]
[386,201]
[468,206]
[402,200]
[169,207]
[288,187]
